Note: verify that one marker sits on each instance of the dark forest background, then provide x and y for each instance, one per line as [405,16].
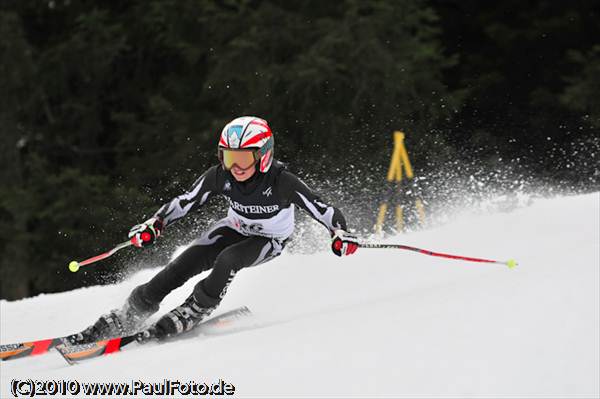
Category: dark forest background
[109,108]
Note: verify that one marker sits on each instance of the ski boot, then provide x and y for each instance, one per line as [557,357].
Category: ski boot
[117,322]
[181,319]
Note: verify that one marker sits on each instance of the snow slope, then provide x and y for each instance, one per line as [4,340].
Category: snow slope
[381,323]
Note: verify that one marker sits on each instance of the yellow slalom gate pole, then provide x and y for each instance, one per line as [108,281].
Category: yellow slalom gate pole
[399,218]
[380,218]
[399,162]
[399,159]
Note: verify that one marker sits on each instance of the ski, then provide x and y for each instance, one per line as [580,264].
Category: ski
[213,326]
[25,349]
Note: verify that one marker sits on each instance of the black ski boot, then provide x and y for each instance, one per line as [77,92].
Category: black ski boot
[181,319]
[117,322]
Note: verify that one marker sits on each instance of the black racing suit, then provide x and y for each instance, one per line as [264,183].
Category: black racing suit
[259,221]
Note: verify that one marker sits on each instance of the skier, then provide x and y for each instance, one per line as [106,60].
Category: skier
[260,219]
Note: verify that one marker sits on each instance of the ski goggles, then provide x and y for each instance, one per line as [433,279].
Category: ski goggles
[243,158]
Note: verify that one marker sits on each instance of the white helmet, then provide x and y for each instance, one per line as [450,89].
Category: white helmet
[248,132]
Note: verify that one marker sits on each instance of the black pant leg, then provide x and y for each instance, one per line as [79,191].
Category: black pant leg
[200,256]
[250,251]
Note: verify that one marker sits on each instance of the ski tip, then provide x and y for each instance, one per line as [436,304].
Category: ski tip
[61,349]
[511,263]
[15,351]
[26,349]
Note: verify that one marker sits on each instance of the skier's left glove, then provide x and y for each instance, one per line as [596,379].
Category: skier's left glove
[145,234]
[344,243]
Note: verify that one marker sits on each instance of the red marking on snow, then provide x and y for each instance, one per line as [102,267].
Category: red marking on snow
[257,138]
[113,345]
[146,236]
[41,346]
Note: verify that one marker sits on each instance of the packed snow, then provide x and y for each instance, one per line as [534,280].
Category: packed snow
[384,323]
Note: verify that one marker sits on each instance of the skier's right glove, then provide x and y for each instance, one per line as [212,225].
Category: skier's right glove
[145,234]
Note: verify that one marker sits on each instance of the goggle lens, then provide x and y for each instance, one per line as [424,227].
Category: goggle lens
[243,159]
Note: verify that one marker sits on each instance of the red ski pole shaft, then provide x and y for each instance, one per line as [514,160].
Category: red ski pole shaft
[510,263]
[74,265]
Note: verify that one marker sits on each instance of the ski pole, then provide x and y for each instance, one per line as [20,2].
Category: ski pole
[74,265]
[511,263]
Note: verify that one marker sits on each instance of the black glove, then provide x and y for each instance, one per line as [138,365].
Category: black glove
[145,234]
[344,243]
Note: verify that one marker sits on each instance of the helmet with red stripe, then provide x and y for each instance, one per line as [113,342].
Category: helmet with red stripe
[249,132]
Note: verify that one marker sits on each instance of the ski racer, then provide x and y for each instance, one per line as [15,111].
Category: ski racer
[262,195]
